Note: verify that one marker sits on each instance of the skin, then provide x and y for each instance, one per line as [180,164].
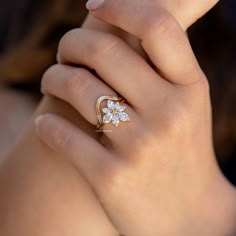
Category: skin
[42,194]
[168,171]
[28,167]
[11,126]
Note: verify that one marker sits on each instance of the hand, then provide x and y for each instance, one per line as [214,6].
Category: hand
[166,180]
[186,13]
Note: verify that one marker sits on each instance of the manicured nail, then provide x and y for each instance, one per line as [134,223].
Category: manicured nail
[38,119]
[93,5]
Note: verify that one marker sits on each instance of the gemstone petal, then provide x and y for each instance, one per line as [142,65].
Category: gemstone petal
[115,120]
[124,116]
[107,118]
[119,108]
[110,104]
[106,110]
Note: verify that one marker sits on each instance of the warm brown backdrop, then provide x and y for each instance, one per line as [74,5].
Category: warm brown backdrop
[30,31]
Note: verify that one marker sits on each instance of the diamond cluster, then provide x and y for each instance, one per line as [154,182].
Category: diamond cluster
[114,113]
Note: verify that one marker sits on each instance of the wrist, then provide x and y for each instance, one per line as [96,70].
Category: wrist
[217,213]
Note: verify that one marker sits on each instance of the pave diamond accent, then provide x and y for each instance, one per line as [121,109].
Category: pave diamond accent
[114,113]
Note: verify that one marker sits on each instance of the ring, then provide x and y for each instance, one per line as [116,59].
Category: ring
[113,113]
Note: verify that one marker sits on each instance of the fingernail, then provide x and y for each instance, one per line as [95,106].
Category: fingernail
[38,120]
[58,58]
[93,5]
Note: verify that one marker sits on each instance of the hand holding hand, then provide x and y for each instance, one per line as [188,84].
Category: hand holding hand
[157,174]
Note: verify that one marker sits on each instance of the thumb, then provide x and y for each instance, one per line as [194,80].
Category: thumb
[188,12]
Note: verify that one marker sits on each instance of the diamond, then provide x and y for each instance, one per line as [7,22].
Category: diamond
[119,108]
[124,116]
[107,118]
[106,110]
[115,120]
[110,104]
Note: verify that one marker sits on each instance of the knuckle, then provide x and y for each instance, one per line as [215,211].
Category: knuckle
[106,45]
[66,39]
[161,24]
[200,89]
[176,125]
[204,84]
[170,128]
[50,73]
[99,44]
[60,138]
[114,180]
[78,84]
[174,120]
[143,135]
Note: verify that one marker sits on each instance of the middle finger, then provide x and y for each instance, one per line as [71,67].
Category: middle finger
[116,63]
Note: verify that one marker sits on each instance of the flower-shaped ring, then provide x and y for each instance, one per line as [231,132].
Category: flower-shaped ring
[113,113]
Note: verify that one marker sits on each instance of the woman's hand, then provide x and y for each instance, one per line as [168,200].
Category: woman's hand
[186,12]
[157,174]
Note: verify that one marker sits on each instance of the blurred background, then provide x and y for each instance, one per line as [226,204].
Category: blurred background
[29,34]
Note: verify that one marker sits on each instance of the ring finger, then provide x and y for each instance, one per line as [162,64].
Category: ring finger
[82,89]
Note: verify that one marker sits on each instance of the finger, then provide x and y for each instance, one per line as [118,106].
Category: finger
[162,37]
[81,89]
[115,62]
[89,156]
[76,86]
[188,12]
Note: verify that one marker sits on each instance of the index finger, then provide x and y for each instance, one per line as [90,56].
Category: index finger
[162,37]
